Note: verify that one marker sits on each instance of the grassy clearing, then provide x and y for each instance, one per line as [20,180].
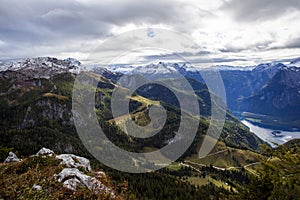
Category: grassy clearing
[200,181]
[228,158]
[174,166]
[51,95]
[145,100]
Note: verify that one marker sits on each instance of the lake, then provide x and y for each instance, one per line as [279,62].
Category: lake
[266,134]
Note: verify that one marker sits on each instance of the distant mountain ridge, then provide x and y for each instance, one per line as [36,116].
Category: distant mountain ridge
[242,84]
[239,82]
[42,67]
[168,67]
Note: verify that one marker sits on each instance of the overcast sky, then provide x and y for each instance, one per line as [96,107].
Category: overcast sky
[236,32]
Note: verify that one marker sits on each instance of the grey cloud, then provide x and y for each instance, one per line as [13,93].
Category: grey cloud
[216,60]
[38,21]
[254,10]
[59,23]
[56,18]
[253,47]
[171,56]
[196,58]
[291,44]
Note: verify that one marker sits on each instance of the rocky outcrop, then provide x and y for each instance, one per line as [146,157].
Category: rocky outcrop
[45,152]
[72,178]
[74,161]
[49,179]
[12,158]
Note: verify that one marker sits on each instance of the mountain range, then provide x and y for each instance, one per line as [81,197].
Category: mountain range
[274,84]
[36,94]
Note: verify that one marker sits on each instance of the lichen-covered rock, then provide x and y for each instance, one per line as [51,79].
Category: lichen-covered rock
[45,152]
[71,160]
[12,158]
[72,178]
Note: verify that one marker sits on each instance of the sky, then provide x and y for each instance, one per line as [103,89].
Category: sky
[228,32]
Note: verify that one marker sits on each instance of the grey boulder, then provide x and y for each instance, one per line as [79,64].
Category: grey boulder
[45,152]
[12,158]
[72,178]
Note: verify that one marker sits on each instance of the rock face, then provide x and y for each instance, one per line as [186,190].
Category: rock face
[72,178]
[74,161]
[12,158]
[45,152]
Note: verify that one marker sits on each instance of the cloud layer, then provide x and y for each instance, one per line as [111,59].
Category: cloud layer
[234,30]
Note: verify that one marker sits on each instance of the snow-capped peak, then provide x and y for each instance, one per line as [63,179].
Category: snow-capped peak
[160,67]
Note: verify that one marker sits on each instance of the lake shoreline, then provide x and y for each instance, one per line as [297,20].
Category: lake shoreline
[267,134]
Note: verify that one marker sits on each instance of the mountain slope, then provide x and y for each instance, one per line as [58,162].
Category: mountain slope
[279,99]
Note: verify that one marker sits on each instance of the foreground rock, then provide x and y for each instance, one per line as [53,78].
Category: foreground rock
[74,161]
[72,179]
[12,158]
[37,187]
[45,152]
[76,175]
